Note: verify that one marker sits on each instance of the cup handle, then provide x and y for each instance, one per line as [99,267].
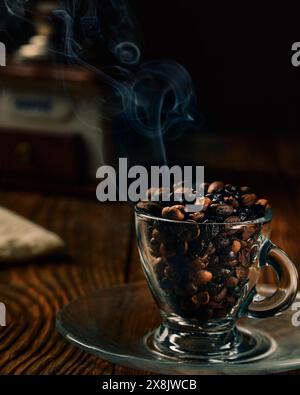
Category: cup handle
[257,306]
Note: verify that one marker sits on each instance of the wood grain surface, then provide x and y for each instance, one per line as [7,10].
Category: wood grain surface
[101,252]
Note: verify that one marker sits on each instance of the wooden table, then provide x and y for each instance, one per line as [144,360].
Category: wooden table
[101,247]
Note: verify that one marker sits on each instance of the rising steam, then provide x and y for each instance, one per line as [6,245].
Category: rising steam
[153,96]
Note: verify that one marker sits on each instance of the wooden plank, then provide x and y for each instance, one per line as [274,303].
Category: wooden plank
[98,239]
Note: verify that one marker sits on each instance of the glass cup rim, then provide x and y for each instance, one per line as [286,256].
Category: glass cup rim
[262,220]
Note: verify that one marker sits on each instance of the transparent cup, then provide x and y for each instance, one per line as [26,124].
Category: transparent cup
[203,277]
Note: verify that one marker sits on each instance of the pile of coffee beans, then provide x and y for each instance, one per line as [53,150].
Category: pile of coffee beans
[200,260]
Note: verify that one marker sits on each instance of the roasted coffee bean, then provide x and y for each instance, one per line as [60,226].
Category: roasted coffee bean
[214,305]
[197,247]
[222,209]
[191,231]
[231,201]
[230,226]
[230,301]
[220,273]
[236,246]
[242,273]
[244,213]
[263,202]
[159,267]
[156,234]
[210,230]
[203,202]
[249,199]
[203,277]
[152,208]
[210,249]
[201,298]
[232,282]
[197,264]
[220,296]
[245,189]
[213,260]
[249,231]
[155,252]
[223,241]
[170,249]
[216,186]
[175,213]
[204,313]
[198,216]
[230,262]
[154,243]
[214,288]
[183,289]
[220,313]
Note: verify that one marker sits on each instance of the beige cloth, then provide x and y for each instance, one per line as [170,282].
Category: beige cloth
[21,239]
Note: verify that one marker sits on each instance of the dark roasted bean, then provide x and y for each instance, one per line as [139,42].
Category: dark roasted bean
[222,209]
[152,208]
[249,199]
[201,298]
[220,296]
[175,213]
[242,273]
[198,216]
[232,282]
[216,186]
[245,189]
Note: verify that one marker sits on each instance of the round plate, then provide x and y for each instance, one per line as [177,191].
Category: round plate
[114,324]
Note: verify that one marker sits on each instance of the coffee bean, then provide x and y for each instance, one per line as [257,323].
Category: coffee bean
[230,226]
[236,246]
[210,230]
[152,208]
[262,202]
[203,277]
[244,213]
[231,201]
[223,241]
[216,186]
[201,298]
[245,189]
[188,289]
[242,273]
[198,216]
[232,282]
[156,234]
[203,202]
[230,301]
[220,296]
[215,305]
[198,264]
[249,231]
[210,249]
[175,213]
[249,199]
[190,232]
[222,209]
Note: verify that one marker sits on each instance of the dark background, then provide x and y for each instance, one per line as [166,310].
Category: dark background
[239,55]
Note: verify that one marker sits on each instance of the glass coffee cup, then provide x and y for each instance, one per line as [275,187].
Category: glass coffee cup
[203,277]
